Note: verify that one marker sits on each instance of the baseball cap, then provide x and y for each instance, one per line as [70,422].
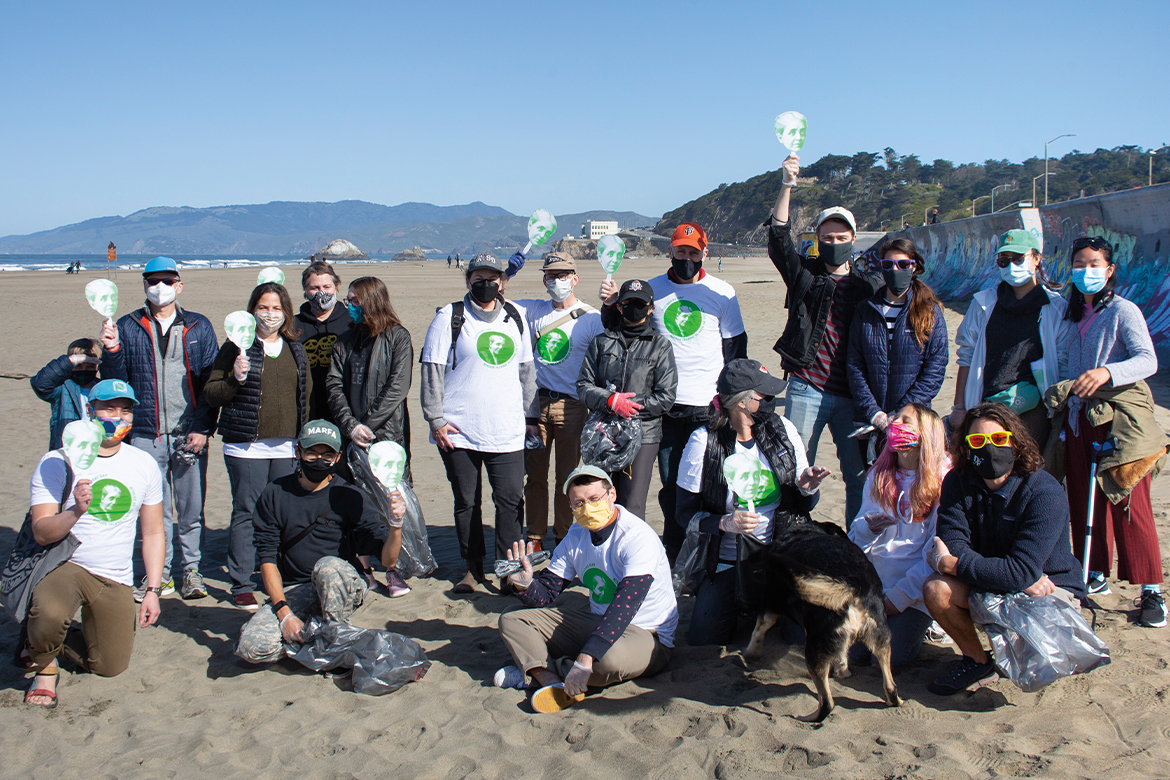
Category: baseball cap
[160,264]
[1018,241]
[836,212]
[581,471]
[320,432]
[556,261]
[636,289]
[109,389]
[743,374]
[486,260]
[689,234]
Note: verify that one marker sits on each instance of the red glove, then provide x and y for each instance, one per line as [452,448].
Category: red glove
[623,404]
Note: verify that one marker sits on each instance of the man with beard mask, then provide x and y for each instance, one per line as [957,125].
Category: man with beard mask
[321,322]
[699,315]
[65,383]
[822,295]
[165,352]
[310,528]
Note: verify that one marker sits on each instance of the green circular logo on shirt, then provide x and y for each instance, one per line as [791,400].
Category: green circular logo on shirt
[495,348]
[764,488]
[554,346]
[683,319]
[111,501]
[601,587]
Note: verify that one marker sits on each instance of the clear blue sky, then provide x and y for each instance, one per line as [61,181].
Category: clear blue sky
[114,107]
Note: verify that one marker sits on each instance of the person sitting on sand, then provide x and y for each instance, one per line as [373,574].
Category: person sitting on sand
[310,527]
[629,629]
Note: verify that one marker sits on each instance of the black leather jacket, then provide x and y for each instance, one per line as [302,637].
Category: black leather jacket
[386,385]
[643,366]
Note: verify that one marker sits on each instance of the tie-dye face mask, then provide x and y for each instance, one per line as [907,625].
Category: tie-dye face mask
[116,429]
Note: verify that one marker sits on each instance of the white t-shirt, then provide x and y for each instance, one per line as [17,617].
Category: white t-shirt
[696,318]
[560,352]
[271,448]
[272,348]
[690,476]
[482,396]
[122,484]
[631,550]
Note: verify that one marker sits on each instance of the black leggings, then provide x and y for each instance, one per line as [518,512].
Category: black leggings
[633,483]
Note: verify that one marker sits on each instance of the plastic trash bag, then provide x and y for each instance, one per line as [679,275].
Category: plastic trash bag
[382,661]
[1037,639]
[690,567]
[416,559]
[610,441]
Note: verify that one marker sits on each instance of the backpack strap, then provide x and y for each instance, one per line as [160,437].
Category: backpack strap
[68,487]
[293,542]
[456,326]
[512,313]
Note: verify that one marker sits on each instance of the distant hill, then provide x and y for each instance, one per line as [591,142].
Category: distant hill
[292,228]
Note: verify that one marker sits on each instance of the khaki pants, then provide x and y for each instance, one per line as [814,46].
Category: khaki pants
[561,421]
[552,639]
[109,618]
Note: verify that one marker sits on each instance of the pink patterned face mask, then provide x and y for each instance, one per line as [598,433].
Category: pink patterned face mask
[900,436]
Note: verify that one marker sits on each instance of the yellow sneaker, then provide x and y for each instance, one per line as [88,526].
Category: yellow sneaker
[552,698]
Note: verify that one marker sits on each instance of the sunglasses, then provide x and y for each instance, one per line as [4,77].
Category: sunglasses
[978,441]
[1007,258]
[901,265]
[167,282]
[1090,242]
[312,457]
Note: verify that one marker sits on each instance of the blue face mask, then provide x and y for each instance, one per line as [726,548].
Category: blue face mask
[1016,274]
[1089,281]
[355,312]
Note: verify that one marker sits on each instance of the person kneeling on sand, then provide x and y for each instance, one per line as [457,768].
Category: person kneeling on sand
[310,527]
[629,630]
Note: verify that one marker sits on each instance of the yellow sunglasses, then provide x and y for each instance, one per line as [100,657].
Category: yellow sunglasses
[978,441]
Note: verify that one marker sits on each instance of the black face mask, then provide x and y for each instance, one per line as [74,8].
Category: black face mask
[766,411]
[318,471]
[991,462]
[835,255]
[634,311]
[898,281]
[685,269]
[485,290]
[84,378]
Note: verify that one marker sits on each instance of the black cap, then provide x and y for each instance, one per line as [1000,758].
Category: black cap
[636,290]
[742,374]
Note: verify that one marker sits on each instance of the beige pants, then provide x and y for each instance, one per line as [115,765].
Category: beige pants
[552,638]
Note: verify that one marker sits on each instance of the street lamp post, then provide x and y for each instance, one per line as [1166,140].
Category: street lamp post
[1152,153]
[1034,178]
[882,227]
[902,221]
[925,211]
[1066,135]
[993,189]
[981,197]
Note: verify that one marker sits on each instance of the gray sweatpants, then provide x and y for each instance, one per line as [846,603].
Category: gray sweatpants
[184,487]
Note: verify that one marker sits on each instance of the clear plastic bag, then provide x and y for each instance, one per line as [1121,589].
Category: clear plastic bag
[382,661]
[610,441]
[416,559]
[1036,640]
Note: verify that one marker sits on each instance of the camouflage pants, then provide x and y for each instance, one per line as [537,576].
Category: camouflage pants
[337,590]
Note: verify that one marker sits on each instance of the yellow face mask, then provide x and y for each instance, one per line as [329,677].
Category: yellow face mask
[593,516]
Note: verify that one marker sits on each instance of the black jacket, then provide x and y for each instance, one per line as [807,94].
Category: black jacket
[386,386]
[318,338]
[810,297]
[239,415]
[645,368]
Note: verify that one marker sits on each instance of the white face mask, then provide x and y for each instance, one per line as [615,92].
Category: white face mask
[268,321]
[160,294]
[1017,274]
[559,289]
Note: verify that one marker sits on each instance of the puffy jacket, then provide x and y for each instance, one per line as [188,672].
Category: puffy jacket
[810,297]
[884,377]
[133,362]
[239,416]
[645,368]
[54,384]
[387,384]
[318,338]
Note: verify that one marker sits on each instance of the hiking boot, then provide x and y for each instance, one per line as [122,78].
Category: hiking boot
[246,600]
[395,585]
[193,587]
[1098,585]
[1153,609]
[965,673]
[509,677]
[168,588]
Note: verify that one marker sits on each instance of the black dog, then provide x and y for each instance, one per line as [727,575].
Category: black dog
[814,575]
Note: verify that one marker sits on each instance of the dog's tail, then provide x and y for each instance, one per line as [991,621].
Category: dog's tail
[827,592]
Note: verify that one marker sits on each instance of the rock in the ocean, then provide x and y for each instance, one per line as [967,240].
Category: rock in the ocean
[414,254]
[340,249]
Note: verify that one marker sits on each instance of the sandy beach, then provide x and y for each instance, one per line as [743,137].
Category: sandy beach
[187,707]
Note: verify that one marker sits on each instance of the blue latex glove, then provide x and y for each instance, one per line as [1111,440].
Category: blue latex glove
[515,263]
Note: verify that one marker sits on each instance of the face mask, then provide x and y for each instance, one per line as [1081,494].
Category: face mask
[268,322]
[898,281]
[991,462]
[1016,274]
[321,301]
[160,294]
[835,255]
[766,409]
[317,472]
[485,291]
[355,312]
[559,289]
[84,378]
[1089,281]
[900,436]
[116,429]
[593,516]
[685,269]
[633,312]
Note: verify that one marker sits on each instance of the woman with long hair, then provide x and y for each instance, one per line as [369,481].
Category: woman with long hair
[263,396]
[896,524]
[898,339]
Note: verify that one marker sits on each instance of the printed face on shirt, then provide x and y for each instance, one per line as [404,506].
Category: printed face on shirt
[601,586]
[758,483]
[111,501]
[494,348]
[683,319]
[554,347]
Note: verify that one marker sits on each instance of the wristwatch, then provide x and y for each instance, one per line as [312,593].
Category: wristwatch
[279,606]
[156,590]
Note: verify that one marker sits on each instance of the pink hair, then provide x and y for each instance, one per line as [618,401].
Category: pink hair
[933,465]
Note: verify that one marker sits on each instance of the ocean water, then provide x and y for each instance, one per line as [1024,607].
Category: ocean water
[60,263]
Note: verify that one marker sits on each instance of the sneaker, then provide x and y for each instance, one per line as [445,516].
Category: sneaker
[962,676]
[193,587]
[246,601]
[552,698]
[395,585]
[509,677]
[1098,585]
[168,588]
[1153,609]
[936,635]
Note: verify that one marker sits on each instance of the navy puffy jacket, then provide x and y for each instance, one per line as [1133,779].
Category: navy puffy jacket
[884,379]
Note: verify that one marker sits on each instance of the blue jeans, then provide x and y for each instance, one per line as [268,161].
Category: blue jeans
[907,630]
[810,410]
[717,610]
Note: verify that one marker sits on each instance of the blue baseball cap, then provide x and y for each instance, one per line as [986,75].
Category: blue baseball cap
[109,389]
[160,264]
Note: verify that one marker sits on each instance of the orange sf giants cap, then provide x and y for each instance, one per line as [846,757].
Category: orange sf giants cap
[689,234]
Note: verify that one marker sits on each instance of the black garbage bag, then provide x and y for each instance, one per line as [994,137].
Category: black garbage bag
[416,559]
[382,661]
[610,441]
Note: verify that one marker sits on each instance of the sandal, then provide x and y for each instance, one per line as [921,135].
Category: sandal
[33,690]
